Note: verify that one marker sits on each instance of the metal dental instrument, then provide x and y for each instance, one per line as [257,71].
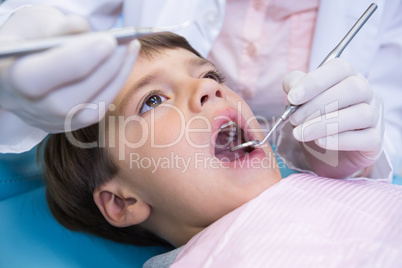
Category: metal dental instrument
[23,47]
[335,53]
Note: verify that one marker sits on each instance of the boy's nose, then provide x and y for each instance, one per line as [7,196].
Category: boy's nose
[207,91]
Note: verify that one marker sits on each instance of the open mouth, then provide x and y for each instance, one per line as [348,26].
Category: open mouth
[231,134]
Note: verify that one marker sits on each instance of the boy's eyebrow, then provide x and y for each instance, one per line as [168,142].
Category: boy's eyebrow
[148,79]
[143,82]
[201,61]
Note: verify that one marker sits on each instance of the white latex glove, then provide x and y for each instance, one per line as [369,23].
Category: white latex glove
[339,112]
[43,88]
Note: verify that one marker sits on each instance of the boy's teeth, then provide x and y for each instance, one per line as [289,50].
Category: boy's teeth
[227,124]
[231,132]
[231,137]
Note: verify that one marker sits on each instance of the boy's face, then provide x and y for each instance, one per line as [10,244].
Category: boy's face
[174,107]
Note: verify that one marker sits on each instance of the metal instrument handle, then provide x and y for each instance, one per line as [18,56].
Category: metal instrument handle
[337,51]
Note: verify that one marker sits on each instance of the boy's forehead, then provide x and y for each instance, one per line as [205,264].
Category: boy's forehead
[177,54]
[149,70]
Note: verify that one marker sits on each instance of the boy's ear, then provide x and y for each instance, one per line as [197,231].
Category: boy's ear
[120,206]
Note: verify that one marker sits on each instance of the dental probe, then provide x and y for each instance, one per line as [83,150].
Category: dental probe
[23,47]
[335,53]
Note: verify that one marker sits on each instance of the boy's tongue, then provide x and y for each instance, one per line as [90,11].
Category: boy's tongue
[228,156]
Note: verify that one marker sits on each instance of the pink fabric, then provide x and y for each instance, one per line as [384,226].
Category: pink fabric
[260,42]
[306,221]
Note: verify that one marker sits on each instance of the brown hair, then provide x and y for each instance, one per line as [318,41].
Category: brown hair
[73,173]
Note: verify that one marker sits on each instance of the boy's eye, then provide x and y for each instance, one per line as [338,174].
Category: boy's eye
[215,75]
[152,101]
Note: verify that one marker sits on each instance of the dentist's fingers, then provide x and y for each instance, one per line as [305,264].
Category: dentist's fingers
[88,87]
[352,90]
[41,21]
[367,140]
[36,75]
[44,88]
[107,95]
[357,117]
[97,91]
[319,80]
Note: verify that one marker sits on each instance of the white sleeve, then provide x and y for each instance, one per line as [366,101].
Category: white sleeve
[16,136]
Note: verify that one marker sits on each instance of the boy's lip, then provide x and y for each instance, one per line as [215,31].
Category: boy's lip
[232,115]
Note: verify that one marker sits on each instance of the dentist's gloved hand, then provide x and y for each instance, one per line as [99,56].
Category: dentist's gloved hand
[43,88]
[340,113]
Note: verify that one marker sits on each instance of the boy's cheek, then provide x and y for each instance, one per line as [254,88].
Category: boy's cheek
[198,132]
[133,135]
[239,104]
[167,128]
